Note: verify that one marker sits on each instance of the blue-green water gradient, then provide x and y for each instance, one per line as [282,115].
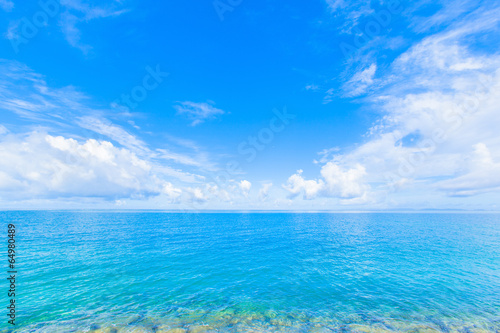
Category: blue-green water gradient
[255,272]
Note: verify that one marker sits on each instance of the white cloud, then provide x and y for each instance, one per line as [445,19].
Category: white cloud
[335,4]
[114,132]
[197,195]
[296,185]
[26,93]
[199,159]
[44,166]
[349,9]
[70,113]
[329,96]
[312,87]
[264,191]
[12,32]
[437,101]
[91,12]
[209,193]
[77,12]
[480,174]
[361,48]
[335,183]
[40,166]
[68,23]
[71,14]
[351,12]
[171,191]
[344,184]
[179,174]
[427,134]
[245,187]
[450,11]
[6,5]
[218,193]
[360,81]
[327,154]
[198,112]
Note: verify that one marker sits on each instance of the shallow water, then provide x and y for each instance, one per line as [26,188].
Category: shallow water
[168,272]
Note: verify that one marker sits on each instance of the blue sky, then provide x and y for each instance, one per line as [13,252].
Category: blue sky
[228,104]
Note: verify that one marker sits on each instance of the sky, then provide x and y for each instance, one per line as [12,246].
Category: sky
[250,105]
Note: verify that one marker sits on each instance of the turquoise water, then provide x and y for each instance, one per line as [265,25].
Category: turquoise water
[167,272]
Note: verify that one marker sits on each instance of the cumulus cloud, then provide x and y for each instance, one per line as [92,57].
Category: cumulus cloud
[344,184]
[445,106]
[439,107]
[44,166]
[197,195]
[296,185]
[76,151]
[245,187]
[198,112]
[70,112]
[335,182]
[170,190]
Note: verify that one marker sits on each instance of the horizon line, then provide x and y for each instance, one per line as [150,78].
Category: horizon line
[233,211]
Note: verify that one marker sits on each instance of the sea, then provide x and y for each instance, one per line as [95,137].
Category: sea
[151,271]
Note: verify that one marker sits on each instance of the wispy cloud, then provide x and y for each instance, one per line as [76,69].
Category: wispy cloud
[360,81]
[26,93]
[312,87]
[449,12]
[6,5]
[72,15]
[350,12]
[480,174]
[198,112]
[68,23]
[114,132]
[78,12]
[79,152]
[435,134]
[329,96]
[91,12]
[264,191]
[327,155]
[199,160]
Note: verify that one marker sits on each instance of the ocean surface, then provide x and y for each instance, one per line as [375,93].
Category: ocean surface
[254,272]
